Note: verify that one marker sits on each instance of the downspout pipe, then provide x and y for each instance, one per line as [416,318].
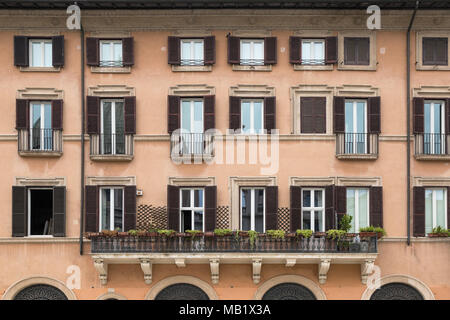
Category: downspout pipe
[408,126]
[82,141]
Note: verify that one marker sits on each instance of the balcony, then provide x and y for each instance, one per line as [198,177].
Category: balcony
[37,142]
[431,146]
[191,146]
[357,146]
[111,147]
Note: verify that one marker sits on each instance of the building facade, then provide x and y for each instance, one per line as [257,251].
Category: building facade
[311,116]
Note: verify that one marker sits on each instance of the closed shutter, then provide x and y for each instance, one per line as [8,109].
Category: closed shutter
[174,52]
[173,116]
[92,52]
[129,215]
[58,51]
[363,51]
[173,207]
[331,44]
[21,51]
[209,45]
[22,114]
[271,207]
[93,115]
[235,113]
[435,51]
[447,110]
[418,118]
[269,113]
[92,209]
[270,50]
[349,51]
[234,50]
[57,114]
[296,208]
[339,114]
[374,114]
[59,211]
[357,51]
[209,112]
[19,211]
[295,50]
[427,51]
[313,114]
[330,215]
[376,206]
[448,208]
[341,199]
[130,115]
[210,208]
[419,211]
[128,52]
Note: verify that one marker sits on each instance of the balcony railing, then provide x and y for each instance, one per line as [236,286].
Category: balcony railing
[313,62]
[432,144]
[251,62]
[192,62]
[111,63]
[112,144]
[191,144]
[40,140]
[357,144]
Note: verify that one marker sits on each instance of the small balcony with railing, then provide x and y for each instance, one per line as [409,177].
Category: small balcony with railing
[40,142]
[112,147]
[432,146]
[357,146]
[188,146]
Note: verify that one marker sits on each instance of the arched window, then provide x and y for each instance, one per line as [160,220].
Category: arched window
[40,292]
[288,291]
[396,291]
[182,291]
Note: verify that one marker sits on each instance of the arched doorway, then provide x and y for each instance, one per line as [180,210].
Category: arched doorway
[396,291]
[182,291]
[288,291]
[40,292]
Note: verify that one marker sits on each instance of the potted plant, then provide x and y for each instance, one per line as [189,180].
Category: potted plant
[439,232]
[304,233]
[371,231]
[276,237]
[336,240]
[252,236]
[223,237]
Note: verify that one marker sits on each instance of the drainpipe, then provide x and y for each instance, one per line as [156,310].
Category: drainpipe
[408,125]
[82,141]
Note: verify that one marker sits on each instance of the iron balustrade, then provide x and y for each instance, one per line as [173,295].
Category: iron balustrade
[192,62]
[357,143]
[112,143]
[313,62]
[251,62]
[191,144]
[111,63]
[432,144]
[40,140]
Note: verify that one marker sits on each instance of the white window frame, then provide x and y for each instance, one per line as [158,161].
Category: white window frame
[313,51]
[252,52]
[355,124]
[442,133]
[111,209]
[434,213]
[252,116]
[312,209]
[42,135]
[192,208]
[113,124]
[29,214]
[111,49]
[42,43]
[356,215]
[192,111]
[252,213]
[192,61]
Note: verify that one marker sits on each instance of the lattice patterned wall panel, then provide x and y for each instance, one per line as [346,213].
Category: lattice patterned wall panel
[149,216]
[284,219]
[223,217]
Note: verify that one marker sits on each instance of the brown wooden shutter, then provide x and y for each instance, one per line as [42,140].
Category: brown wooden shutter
[330,215]
[435,51]
[21,58]
[92,209]
[210,208]
[374,114]
[128,52]
[92,52]
[57,114]
[331,44]
[357,51]
[129,215]
[130,115]
[295,50]
[173,207]
[363,51]
[173,119]
[93,115]
[376,206]
[209,47]
[313,114]
[22,114]
[234,50]
[418,115]
[349,51]
[19,211]
[209,121]
[448,208]
[427,51]
[320,114]
[296,208]
[447,110]
[339,114]
[58,51]
[341,199]
[270,50]
[269,113]
[271,207]
[419,211]
[59,211]
[174,52]
[235,113]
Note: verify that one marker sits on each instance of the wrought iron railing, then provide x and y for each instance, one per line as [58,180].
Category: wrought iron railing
[252,62]
[432,144]
[111,63]
[183,144]
[112,144]
[40,140]
[192,62]
[356,143]
[313,61]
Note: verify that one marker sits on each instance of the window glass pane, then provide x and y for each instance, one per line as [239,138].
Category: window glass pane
[36,49]
[107,128]
[186,220]
[48,54]
[427,115]
[118,51]
[307,220]
[306,51]
[245,50]
[186,198]
[428,210]
[348,116]
[306,198]
[319,50]
[440,208]
[36,115]
[105,50]
[258,116]
[198,198]
[198,50]
[351,207]
[246,125]
[198,117]
[361,117]
[186,115]
[259,214]
[363,209]
[318,222]
[258,52]
[198,220]
[246,208]
[437,117]
[120,128]
[185,51]
[47,132]
[318,201]
[106,209]
[118,209]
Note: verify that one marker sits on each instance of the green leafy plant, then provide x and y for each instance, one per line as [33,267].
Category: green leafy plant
[304,233]
[110,233]
[223,232]
[276,234]
[345,223]
[167,233]
[194,233]
[252,236]
[377,230]
[133,232]
[441,231]
[336,234]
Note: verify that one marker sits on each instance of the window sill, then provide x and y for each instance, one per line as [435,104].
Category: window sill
[357,156]
[176,68]
[110,69]
[342,66]
[40,69]
[196,158]
[303,67]
[238,67]
[39,154]
[433,157]
[421,67]
[109,157]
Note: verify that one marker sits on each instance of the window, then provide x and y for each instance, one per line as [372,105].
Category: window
[313,114]
[40,53]
[355,126]
[356,51]
[111,53]
[434,127]
[40,212]
[111,209]
[252,209]
[435,51]
[313,51]
[192,52]
[435,209]
[358,208]
[191,126]
[252,116]
[313,209]
[252,52]
[112,137]
[192,209]
[41,133]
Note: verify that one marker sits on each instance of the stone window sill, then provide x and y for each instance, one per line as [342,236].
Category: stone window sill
[237,67]
[40,154]
[421,67]
[191,68]
[303,67]
[357,156]
[40,69]
[432,157]
[109,157]
[110,69]
[348,67]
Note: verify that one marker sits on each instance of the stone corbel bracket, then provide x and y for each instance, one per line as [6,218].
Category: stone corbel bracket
[102,269]
[214,264]
[146,266]
[367,269]
[257,264]
[324,266]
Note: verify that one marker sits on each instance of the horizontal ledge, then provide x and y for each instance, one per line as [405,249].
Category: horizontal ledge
[357,156]
[429,157]
[40,154]
[46,240]
[111,157]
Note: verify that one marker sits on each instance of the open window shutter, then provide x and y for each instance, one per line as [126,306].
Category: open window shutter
[22,114]
[374,115]
[57,114]
[92,209]
[418,118]
[209,112]
[234,50]
[59,211]
[19,211]
[271,207]
[58,51]
[210,208]
[447,110]
[341,199]
[295,50]
[93,115]
[129,215]
[339,114]
[269,113]
[296,208]
[270,50]
[209,50]
[173,119]
[376,206]
[130,115]
[419,211]
[128,51]
[235,113]
[173,207]
[330,216]
[92,52]
[21,51]
[448,208]
[174,52]
[331,44]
